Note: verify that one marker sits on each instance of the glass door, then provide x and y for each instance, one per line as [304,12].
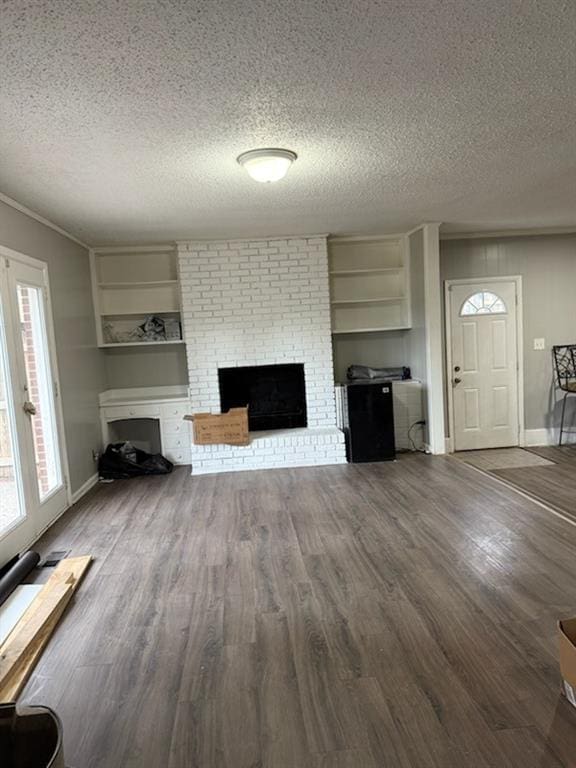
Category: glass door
[16,527]
[33,485]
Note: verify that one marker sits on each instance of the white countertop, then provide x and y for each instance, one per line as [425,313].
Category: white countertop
[143,395]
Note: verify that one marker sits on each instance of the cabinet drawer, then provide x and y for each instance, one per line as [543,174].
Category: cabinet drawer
[176,427]
[132,412]
[178,456]
[176,442]
[176,411]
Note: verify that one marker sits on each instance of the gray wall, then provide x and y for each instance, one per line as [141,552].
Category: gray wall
[151,367]
[389,348]
[547,265]
[80,363]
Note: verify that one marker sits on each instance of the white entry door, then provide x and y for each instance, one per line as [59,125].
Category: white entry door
[33,489]
[483,365]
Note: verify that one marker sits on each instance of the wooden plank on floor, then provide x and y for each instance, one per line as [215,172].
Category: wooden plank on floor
[21,642]
[59,588]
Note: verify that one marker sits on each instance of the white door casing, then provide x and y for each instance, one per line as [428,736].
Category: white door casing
[483,363]
[16,487]
[42,467]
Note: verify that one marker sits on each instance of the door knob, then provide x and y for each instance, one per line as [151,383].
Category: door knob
[29,408]
[457,381]
[456,368]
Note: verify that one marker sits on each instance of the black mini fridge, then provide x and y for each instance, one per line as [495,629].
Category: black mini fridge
[368,421]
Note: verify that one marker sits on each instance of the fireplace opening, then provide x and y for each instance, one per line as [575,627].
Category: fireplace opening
[275,394]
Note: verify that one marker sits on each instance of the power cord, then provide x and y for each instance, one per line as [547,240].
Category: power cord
[420,423]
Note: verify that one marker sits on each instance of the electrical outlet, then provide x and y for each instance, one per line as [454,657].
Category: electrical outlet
[539,345]
[95,455]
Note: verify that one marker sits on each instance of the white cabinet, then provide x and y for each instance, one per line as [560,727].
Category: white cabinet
[166,405]
[369,287]
[129,285]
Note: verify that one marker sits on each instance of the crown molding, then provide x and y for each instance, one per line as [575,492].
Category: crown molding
[508,233]
[187,240]
[36,216]
[159,248]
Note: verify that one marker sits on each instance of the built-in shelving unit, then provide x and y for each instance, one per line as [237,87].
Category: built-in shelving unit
[130,285]
[369,286]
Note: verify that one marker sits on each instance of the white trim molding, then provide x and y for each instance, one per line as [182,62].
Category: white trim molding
[547,436]
[542,232]
[433,330]
[84,488]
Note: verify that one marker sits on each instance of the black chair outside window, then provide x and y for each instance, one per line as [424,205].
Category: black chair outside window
[565,365]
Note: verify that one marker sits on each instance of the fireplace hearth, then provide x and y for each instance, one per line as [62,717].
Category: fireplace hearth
[275,395]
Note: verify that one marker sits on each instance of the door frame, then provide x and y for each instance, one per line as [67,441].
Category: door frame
[517,279]
[9,253]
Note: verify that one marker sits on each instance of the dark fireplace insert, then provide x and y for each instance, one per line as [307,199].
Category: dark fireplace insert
[275,394]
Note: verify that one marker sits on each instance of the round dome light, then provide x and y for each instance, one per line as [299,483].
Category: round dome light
[266,165]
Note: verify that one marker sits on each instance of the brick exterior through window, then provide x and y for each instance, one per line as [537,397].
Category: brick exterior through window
[33,380]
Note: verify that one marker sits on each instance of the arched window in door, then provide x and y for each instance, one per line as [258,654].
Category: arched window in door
[483,303]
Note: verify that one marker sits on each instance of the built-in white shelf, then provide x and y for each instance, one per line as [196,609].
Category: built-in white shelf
[369,286]
[156,310]
[141,343]
[346,272]
[376,300]
[130,284]
[373,330]
[142,284]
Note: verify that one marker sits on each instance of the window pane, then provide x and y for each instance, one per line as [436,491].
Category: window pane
[40,389]
[483,303]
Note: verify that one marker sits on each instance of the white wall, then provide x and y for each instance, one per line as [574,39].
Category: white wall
[261,302]
[417,338]
[425,339]
[258,303]
[80,362]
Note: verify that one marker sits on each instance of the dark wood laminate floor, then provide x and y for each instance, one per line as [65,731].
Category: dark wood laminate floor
[355,616]
[554,485]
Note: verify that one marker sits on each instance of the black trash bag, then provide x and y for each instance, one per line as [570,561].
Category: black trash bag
[121,461]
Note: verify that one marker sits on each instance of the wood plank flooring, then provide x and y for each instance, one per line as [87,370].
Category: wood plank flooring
[554,485]
[359,616]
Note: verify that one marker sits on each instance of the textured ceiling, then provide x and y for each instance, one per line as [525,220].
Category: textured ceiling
[120,120]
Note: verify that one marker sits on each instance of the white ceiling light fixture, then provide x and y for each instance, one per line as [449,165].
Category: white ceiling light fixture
[266,165]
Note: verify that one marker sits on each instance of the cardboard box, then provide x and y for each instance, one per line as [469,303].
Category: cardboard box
[229,428]
[567,629]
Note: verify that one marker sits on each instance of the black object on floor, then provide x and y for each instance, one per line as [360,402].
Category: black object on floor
[54,558]
[121,461]
[369,421]
[30,737]
[17,573]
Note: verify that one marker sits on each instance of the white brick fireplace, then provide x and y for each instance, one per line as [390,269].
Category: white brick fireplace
[252,303]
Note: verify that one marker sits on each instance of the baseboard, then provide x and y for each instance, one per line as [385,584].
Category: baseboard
[84,488]
[545,436]
[534,438]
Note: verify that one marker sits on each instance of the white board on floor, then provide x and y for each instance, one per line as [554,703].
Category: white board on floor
[13,608]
